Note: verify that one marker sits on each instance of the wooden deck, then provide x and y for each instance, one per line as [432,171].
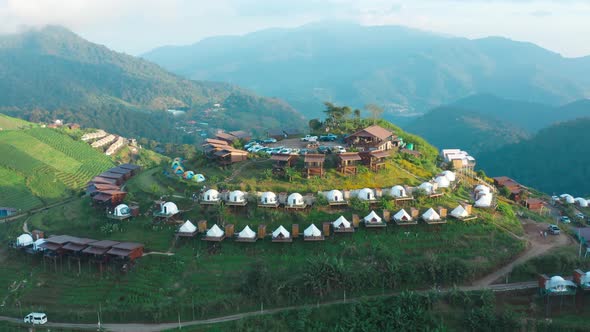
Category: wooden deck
[245,240]
[187,234]
[375,224]
[272,205]
[296,207]
[438,222]
[337,203]
[230,203]
[114,217]
[283,240]
[344,230]
[213,239]
[406,223]
[210,202]
[313,238]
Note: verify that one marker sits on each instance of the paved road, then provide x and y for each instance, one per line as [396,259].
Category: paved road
[137,327]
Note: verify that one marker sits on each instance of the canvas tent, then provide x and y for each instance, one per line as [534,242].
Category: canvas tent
[37,245]
[215,232]
[341,222]
[567,198]
[199,178]
[459,212]
[366,194]
[398,192]
[281,233]
[122,210]
[24,240]
[482,189]
[585,280]
[402,215]
[430,215]
[187,227]
[372,218]
[247,233]
[312,231]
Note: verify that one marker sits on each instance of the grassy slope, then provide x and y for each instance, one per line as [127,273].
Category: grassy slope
[41,165]
[7,122]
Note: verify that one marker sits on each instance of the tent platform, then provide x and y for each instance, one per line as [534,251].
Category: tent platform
[210,202]
[296,207]
[114,217]
[406,223]
[338,203]
[375,225]
[186,234]
[275,205]
[236,203]
[344,230]
[287,240]
[313,238]
[246,240]
[213,239]
[403,199]
[436,195]
[439,222]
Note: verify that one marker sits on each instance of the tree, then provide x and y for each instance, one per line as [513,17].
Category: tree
[375,111]
[315,125]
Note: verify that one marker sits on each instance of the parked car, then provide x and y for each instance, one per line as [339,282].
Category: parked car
[580,215]
[275,150]
[309,138]
[250,144]
[295,151]
[35,318]
[323,149]
[328,138]
[257,148]
[338,149]
[285,151]
[553,229]
[269,140]
[565,219]
[303,151]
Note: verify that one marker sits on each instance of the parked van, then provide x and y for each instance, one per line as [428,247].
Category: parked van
[36,318]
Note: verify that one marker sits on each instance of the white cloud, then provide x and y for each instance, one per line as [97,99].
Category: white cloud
[135,26]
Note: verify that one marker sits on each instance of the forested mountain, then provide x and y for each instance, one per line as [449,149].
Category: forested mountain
[555,160]
[482,123]
[404,70]
[52,72]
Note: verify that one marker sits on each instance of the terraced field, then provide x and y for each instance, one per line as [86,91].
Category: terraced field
[42,165]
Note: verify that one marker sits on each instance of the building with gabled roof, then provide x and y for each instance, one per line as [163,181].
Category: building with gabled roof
[372,138]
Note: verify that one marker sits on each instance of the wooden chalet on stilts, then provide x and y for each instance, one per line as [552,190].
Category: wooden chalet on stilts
[374,160]
[281,162]
[314,165]
[347,162]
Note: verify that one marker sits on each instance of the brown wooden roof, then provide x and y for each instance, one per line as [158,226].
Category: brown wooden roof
[100,179]
[130,166]
[128,245]
[215,141]
[110,175]
[349,156]
[373,131]
[310,158]
[226,136]
[61,239]
[380,154]
[120,170]
[281,157]
[101,197]
[104,244]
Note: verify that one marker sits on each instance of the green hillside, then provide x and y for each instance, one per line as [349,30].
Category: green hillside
[41,165]
[555,160]
[92,85]
[8,123]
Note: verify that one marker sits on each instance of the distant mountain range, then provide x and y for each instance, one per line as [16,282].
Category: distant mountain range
[482,123]
[404,70]
[52,72]
[555,160]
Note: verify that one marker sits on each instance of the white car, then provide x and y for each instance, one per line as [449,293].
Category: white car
[338,149]
[285,151]
[35,318]
[257,148]
[254,147]
[309,138]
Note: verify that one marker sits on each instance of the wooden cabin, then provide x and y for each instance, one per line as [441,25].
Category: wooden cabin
[99,248]
[123,171]
[109,197]
[119,178]
[281,162]
[372,138]
[127,250]
[348,162]
[230,156]
[374,160]
[314,165]
[102,180]
[133,168]
[534,204]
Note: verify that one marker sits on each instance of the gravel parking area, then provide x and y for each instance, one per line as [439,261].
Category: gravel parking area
[296,143]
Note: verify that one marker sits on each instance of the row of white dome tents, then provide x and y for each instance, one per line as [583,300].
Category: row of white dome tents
[569,199]
[239,198]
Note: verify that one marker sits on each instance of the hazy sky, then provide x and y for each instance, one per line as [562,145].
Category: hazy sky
[136,26]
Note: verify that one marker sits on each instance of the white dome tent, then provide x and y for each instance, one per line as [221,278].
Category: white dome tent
[366,194]
[449,175]
[187,228]
[372,218]
[402,216]
[481,190]
[24,240]
[169,209]
[559,285]
[585,280]
[211,195]
[398,192]
[237,196]
[281,235]
[484,201]
[215,232]
[335,196]
[341,223]
[427,187]
[268,198]
[247,234]
[430,215]
[122,210]
[459,212]
[442,181]
[37,245]
[312,233]
[582,202]
[295,199]
[567,198]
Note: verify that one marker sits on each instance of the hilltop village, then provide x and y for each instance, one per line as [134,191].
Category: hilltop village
[268,213]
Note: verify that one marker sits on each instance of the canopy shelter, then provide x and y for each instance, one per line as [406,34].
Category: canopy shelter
[188,229]
[342,225]
[281,235]
[312,233]
[214,234]
[268,199]
[373,220]
[246,235]
[404,218]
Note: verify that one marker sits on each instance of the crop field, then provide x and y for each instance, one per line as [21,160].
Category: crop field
[9,123]
[45,166]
